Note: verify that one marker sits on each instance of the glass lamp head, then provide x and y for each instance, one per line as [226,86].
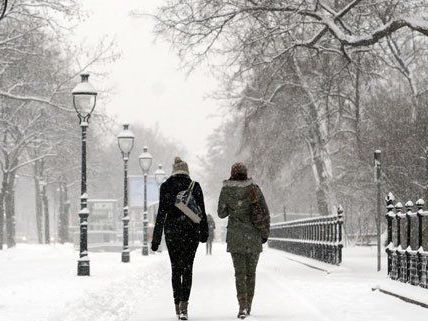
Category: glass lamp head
[84,97]
[160,175]
[145,160]
[125,140]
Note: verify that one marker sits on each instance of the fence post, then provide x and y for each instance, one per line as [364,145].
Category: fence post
[377,165]
[399,214]
[409,206]
[423,256]
[420,205]
[340,224]
[389,216]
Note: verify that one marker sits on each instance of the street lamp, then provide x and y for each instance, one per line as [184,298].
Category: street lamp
[145,164]
[84,100]
[160,175]
[125,141]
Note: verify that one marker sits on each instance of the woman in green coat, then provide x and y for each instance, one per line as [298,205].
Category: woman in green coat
[248,228]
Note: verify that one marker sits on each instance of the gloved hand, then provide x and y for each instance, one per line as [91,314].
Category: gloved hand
[155,247]
[264,240]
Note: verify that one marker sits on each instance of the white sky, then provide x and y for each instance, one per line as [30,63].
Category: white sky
[148,86]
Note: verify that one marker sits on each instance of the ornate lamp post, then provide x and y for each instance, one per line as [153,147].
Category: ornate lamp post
[160,175]
[84,100]
[125,141]
[145,164]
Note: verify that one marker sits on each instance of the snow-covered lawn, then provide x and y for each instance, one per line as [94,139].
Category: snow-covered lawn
[39,283]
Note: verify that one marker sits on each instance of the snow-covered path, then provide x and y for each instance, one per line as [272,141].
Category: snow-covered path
[38,283]
[213,294]
[285,290]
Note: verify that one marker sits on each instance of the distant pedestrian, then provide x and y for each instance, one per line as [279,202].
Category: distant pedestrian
[211,228]
[182,235]
[248,228]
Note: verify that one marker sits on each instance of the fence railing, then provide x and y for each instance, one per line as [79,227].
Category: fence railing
[318,238]
[407,237]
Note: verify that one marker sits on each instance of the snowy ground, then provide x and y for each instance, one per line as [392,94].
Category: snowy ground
[38,283]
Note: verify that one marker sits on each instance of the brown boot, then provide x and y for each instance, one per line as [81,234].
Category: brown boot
[183,310]
[177,310]
[242,314]
[249,303]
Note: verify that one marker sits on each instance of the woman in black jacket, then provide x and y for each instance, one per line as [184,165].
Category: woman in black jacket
[182,236]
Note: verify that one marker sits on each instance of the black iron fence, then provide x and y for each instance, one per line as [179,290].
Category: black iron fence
[407,239]
[318,238]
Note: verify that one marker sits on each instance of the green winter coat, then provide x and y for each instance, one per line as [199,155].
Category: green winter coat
[234,202]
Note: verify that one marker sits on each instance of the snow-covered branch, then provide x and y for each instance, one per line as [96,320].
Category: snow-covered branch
[30,161]
[35,99]
[419,24]
[3,7]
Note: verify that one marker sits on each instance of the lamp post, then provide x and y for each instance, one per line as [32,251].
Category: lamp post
[160,175]
[145,164]
[125,141]
[84,100]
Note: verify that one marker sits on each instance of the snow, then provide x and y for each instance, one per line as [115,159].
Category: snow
[84,210]
[411,292]
[39,283]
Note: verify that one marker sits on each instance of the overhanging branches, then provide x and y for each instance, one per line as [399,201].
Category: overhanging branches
[194,26]
[3,8]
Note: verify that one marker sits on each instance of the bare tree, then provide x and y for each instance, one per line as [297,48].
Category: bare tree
[318,48]
[3,7]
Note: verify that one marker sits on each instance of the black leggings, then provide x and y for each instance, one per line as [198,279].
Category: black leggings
[181,254]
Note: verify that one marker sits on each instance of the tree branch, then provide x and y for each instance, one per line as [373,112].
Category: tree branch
[34,99]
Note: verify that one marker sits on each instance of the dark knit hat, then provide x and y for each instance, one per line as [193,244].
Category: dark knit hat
[180,167]
[239,172]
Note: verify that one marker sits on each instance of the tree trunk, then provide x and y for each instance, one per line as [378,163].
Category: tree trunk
[317,143]
[64,206]
[358,108]
[9,206]
[61,236]
[1,220]
[38,202]
[321,168]
[45,201]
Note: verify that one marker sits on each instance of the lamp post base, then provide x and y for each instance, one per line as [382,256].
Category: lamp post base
[126,258]
[83,268]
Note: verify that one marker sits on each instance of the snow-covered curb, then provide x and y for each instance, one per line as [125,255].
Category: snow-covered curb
[406,292]
[311,263]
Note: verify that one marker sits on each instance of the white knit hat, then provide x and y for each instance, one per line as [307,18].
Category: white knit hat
[180,167]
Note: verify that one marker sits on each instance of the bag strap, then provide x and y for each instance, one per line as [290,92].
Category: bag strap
[190,191]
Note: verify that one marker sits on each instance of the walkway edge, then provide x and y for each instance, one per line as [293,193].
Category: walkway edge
[313,264]
[401,294]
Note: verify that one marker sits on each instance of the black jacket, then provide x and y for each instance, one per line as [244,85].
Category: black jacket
[176,224]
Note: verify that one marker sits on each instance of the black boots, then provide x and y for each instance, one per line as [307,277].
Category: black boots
[177,310]
[242,314]
[183,310]
[249,303]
